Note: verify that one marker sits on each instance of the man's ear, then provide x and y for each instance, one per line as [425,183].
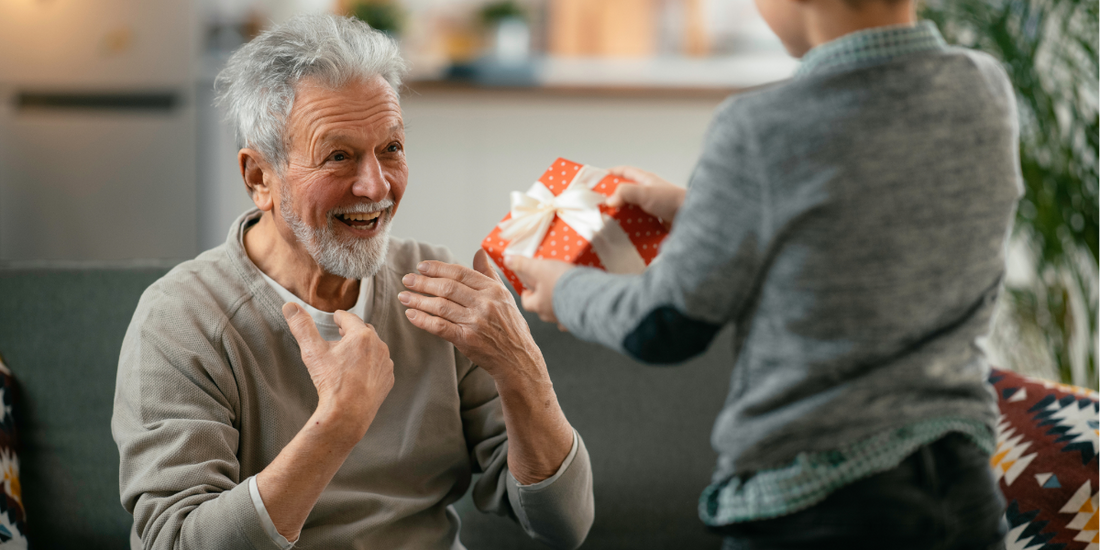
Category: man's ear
[258,176]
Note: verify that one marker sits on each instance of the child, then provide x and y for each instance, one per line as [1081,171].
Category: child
[851,224]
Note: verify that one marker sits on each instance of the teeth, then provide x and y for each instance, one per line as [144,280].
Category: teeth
[361,216]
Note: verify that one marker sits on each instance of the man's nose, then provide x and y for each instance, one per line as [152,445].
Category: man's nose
[371,181]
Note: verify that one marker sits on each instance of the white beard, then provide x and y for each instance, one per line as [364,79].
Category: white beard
[348,258]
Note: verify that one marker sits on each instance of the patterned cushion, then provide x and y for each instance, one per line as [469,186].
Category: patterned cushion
[1046,462]
[12,517]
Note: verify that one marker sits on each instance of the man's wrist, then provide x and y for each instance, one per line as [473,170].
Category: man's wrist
[526,393]
[338,424]
[525,376]
[530,395]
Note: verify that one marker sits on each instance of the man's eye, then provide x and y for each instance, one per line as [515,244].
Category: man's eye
[393,148]
[339,157]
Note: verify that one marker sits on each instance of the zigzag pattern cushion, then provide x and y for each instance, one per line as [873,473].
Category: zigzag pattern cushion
[1046,462]
[12,517]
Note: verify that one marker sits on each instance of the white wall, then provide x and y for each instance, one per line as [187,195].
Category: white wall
[467,150]
[221,193]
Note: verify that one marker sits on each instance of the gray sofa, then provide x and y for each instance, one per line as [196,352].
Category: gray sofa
[61,327]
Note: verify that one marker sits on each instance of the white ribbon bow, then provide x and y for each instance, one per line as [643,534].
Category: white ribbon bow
[533,212]
[578,206]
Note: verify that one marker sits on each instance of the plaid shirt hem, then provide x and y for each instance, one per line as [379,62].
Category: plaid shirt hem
[813,476]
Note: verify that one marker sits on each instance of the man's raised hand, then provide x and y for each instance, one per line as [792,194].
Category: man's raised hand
[353,375]
[473,310]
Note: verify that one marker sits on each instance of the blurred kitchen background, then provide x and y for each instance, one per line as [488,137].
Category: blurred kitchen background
[111,149]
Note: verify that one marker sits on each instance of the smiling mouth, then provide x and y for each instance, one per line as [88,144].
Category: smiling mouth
[360,220]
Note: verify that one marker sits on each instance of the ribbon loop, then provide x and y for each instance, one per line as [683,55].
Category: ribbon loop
[534,211]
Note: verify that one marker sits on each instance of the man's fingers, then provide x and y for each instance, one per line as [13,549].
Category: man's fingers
[348,322]
[303,328]
[462,274]
[440,307]
[484,265]
[442,287]
[433,325]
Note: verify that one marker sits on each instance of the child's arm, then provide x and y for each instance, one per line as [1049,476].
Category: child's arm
[707,272]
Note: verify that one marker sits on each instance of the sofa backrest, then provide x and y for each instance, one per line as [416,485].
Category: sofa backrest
[61,328]
[60,333]
[647,430]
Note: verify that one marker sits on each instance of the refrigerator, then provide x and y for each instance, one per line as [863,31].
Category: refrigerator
[97,130]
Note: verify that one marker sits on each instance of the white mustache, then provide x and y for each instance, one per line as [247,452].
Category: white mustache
[362,208]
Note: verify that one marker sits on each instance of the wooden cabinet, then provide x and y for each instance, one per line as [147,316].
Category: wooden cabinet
[608,28]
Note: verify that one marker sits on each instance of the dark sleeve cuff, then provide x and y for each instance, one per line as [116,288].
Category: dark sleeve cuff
[667,336]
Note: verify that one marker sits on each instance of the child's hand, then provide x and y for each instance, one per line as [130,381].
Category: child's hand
[652,194]
[539,276]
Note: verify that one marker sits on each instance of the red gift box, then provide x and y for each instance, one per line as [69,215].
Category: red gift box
[562,217]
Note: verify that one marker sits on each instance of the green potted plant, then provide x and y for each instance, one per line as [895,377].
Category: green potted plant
[510,36]
[507,59]
[384,15]
[496,12]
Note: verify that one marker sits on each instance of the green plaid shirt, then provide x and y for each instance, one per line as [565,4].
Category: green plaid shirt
[872,46]
[812,476]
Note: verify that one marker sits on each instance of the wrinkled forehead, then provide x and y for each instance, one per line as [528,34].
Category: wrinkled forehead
[366,108]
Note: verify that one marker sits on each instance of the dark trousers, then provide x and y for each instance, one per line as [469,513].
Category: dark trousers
[942,497]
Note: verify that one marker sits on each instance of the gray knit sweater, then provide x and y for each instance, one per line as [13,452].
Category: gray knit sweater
[851,225]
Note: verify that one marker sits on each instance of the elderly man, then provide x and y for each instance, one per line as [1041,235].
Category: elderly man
[254,406]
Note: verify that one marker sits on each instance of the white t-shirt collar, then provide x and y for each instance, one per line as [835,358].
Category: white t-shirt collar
[326,325]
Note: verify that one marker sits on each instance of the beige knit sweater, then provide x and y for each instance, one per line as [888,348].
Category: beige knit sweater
[211,387]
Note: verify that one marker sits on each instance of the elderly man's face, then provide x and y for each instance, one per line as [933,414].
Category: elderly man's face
[346,174]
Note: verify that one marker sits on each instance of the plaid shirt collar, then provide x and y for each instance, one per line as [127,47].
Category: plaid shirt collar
[873,45]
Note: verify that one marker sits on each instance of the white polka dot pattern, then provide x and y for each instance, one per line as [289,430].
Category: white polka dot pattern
[646,232]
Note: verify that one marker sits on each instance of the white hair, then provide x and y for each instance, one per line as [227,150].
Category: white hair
[257,85]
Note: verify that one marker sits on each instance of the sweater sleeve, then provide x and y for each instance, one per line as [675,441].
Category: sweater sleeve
[173,422]
[557,511]
[706,271]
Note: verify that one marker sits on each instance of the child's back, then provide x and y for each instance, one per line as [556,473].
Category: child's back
[851,224]
[878,198]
